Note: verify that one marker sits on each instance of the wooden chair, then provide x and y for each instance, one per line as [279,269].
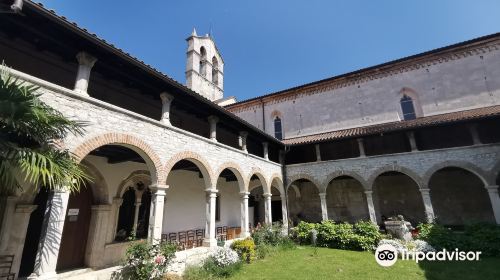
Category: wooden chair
[6,267]
[191,241]
[182,240]
[230,233]
[200,234]
[219,234]
[164,237]
[172,237]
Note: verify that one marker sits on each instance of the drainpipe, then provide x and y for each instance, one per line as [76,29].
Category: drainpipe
[263,116]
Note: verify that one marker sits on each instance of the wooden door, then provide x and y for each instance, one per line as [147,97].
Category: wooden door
[76,230]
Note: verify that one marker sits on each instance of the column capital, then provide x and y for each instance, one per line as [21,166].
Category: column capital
[86,59]
[101,207]
[244,133]
[369,192]
[282,196]
[213,119]
[266,195]
[244,194]
[25,208]
[424,190]
[322,195]
[492,188]
[166,98]
[158,188]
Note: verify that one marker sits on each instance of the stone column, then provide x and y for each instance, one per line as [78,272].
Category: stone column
[212,120]
[85,64]
[361,147]
[50,238]
[495,201]
[8,205]
[475,135]
[137,205]
[324,207]
[318,152]
[115,212]
[265,147]
[371,208]
[13,228]
[413,142]
[284,212]
[158,193]
[243,141]
[245,231]
[166,102]
[267,208]
[429,210]
[99,223]
[210,238]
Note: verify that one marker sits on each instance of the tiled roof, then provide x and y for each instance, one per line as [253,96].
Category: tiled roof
[398,125]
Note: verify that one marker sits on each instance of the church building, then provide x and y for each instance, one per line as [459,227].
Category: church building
[418,137]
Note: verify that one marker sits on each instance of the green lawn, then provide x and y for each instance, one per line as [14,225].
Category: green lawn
[304,263]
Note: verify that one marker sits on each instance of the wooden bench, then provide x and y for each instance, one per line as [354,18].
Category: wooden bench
[6,267]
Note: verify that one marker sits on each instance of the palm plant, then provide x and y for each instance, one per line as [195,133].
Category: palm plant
[29,130]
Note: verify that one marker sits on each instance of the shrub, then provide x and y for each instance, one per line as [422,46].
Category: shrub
[224,262]
[303,231]
[245,249]
[360,236]
[147,261]
[475,237]
[269,234]
[224,256]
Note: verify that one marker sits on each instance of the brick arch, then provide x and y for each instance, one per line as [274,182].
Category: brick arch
[126,140]
[341,173]
[257,172]
[195,158]
[396,168]
[482,175]
[235,168]
[277,176]
[304,176]
[133,177]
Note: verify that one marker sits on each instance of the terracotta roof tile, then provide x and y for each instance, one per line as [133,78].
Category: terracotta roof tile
[398,125]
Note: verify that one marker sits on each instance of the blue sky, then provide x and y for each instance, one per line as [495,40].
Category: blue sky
[270,45]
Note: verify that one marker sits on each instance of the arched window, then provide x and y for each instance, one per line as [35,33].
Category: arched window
[278,131]
[215,71]
[408,108]
[134,212]
[203,62]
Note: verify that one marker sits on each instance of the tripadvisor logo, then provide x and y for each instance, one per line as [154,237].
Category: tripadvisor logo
[386,255]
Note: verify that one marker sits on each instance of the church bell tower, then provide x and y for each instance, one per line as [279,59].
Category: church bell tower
[205,67]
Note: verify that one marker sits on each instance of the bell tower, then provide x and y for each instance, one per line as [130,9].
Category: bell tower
[205,67]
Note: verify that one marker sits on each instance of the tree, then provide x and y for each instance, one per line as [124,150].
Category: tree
[29,131]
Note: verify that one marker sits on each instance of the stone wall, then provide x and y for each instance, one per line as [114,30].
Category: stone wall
[160,145]
[482,160]
[452,81]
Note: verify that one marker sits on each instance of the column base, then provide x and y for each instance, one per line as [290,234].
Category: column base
[210,242]
[245,234]
[45,276]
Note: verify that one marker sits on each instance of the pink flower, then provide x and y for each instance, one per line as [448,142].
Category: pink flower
[159,259]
